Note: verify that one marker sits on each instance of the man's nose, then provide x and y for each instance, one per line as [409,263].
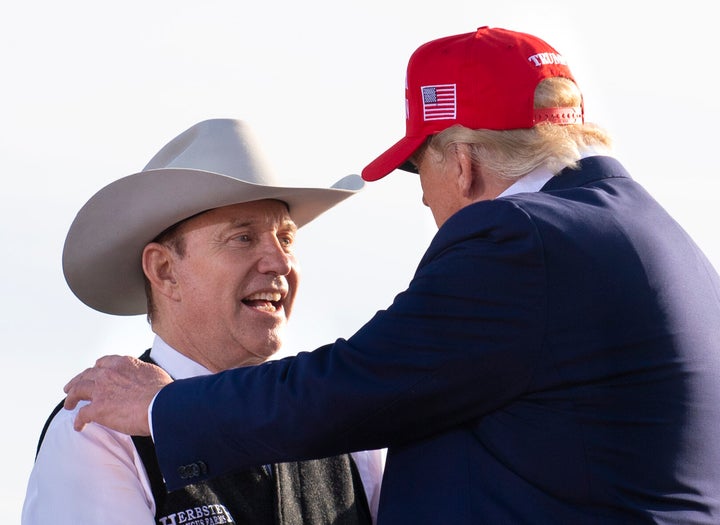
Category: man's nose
[275,259]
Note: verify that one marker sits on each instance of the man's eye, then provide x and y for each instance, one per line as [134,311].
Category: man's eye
[286,241]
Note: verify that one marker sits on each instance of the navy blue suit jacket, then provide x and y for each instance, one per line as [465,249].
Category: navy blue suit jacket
[555,360]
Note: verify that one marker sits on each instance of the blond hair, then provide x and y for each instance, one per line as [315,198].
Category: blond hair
[510,154]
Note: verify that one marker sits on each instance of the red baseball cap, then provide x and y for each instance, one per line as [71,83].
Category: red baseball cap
[482,80]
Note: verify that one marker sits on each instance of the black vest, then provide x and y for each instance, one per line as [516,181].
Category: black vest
[326,491]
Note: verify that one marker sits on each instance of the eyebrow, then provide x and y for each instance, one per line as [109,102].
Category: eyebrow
[284,223]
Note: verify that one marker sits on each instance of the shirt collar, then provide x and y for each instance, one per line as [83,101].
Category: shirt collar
[538,177]
[173,362]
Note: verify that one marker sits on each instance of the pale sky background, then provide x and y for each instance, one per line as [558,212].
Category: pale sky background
[89,91]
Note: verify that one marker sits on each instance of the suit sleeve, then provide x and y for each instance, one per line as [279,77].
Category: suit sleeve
[459,342]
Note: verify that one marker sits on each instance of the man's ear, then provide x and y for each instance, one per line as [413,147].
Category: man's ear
[466,179]
[158,265]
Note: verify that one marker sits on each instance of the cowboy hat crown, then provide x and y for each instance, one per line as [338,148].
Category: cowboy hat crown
[212,164]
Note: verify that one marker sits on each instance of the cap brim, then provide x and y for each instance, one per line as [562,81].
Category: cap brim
[103,248]
[392,159]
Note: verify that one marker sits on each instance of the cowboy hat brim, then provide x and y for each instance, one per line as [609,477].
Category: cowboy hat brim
[103,248]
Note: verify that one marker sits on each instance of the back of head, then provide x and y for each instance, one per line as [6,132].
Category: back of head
[491,79]
[510,154]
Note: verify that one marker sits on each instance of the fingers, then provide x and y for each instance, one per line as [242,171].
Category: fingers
[119,390]
[83,417]
[113,361]
[79,389]
[89,374]
[82,386]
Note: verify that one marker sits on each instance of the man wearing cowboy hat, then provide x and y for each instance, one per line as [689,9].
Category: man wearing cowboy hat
[202,242]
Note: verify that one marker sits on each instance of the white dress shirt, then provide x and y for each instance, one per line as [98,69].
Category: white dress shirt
[96,476]
[536,179]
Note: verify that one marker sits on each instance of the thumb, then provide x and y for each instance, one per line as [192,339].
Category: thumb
[83,417]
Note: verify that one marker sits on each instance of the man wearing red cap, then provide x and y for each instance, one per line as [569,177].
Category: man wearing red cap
[554,360]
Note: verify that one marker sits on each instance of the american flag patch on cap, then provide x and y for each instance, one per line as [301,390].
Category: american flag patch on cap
[439,102]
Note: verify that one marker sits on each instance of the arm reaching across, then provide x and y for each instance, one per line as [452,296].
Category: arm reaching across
[120,390]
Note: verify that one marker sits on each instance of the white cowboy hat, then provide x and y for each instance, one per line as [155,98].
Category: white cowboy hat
[214,163]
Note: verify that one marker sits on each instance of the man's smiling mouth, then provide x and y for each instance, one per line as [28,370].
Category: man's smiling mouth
[267,301]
